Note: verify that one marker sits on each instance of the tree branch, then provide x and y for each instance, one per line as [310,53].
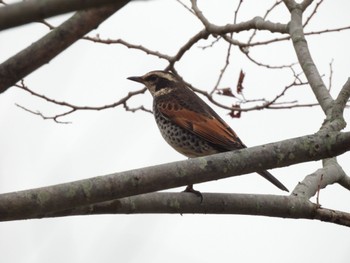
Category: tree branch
[330,173]
[342,99]
[305,59]
[335,118]
[22,64]
[109,187]
[312,13]
[255,23]
[31,11]
[345,182]
[97,39]
[74,108]
[213,203]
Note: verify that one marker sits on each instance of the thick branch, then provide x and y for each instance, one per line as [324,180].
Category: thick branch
[150,179]
[213,203]
[329,174]
[342,99]
[305,59]
[335,120]
[345,182]
[23,63]
[31,11]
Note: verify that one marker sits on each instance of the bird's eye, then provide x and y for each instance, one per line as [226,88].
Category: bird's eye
[151,78]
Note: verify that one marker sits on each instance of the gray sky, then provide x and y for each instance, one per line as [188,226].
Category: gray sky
[37,153]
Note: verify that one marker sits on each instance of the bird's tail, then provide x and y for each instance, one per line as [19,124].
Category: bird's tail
[273,180]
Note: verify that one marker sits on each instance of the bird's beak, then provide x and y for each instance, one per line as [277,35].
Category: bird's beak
[137,79]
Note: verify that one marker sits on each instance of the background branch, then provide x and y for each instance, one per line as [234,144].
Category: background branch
[31,11]
[305,59]
[22,64]
[74,108]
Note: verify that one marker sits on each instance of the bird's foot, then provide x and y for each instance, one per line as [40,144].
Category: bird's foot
[189,189]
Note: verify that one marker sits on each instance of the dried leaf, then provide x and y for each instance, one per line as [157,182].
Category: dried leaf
[226,92]
[240,82]
[235,113]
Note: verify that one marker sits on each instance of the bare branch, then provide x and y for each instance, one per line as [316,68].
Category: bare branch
[22,64]
[292,105]
[185,6]
[266,104]
[222,71]
[268,11]
[343,98]
[213,203]
[313,13]
[265,65]
[44,22]
[255,23]
[109,187]
[31,11]
[216,40]
[278,96]
[318,192]
[330,173]
[236,11]
[74,108]
[338,29]
[133,110]
[306,62]
[54,118]
[275,40]
[228,53]
[345,182]
[97,39]
[305,4]
[292,4]
[330,75]
[203,34]
[193,40]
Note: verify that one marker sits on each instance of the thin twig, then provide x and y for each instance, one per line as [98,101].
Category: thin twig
[109,41]
[330,79]
[74,108]
[236,11]
[185,6]
[287,38]
[228,53]
[313,13]
[54,118]
[318,192]
[268,11]
[211,44]
[266,65]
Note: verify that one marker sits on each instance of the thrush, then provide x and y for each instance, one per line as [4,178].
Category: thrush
[188,124]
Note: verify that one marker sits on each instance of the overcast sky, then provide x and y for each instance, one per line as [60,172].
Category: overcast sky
[37,153]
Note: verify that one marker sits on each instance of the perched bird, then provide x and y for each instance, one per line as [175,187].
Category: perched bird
[187,123]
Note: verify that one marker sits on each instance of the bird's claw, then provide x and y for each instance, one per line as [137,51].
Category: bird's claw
[189,189]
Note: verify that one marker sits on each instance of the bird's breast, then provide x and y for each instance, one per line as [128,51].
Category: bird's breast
[180,139]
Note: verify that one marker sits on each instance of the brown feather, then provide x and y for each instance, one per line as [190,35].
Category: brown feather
[209,128]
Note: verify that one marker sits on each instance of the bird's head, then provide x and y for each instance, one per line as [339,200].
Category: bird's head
[159,82]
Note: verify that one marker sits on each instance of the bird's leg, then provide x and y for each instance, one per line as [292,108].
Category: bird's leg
[189,189]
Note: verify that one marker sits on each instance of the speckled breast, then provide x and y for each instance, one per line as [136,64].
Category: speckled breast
[180,139]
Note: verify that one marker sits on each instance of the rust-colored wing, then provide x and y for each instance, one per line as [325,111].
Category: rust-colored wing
[203,122]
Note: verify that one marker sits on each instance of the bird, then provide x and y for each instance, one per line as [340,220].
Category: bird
[188,124]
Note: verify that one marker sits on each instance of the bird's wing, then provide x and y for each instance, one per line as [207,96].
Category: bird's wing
[209,126]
